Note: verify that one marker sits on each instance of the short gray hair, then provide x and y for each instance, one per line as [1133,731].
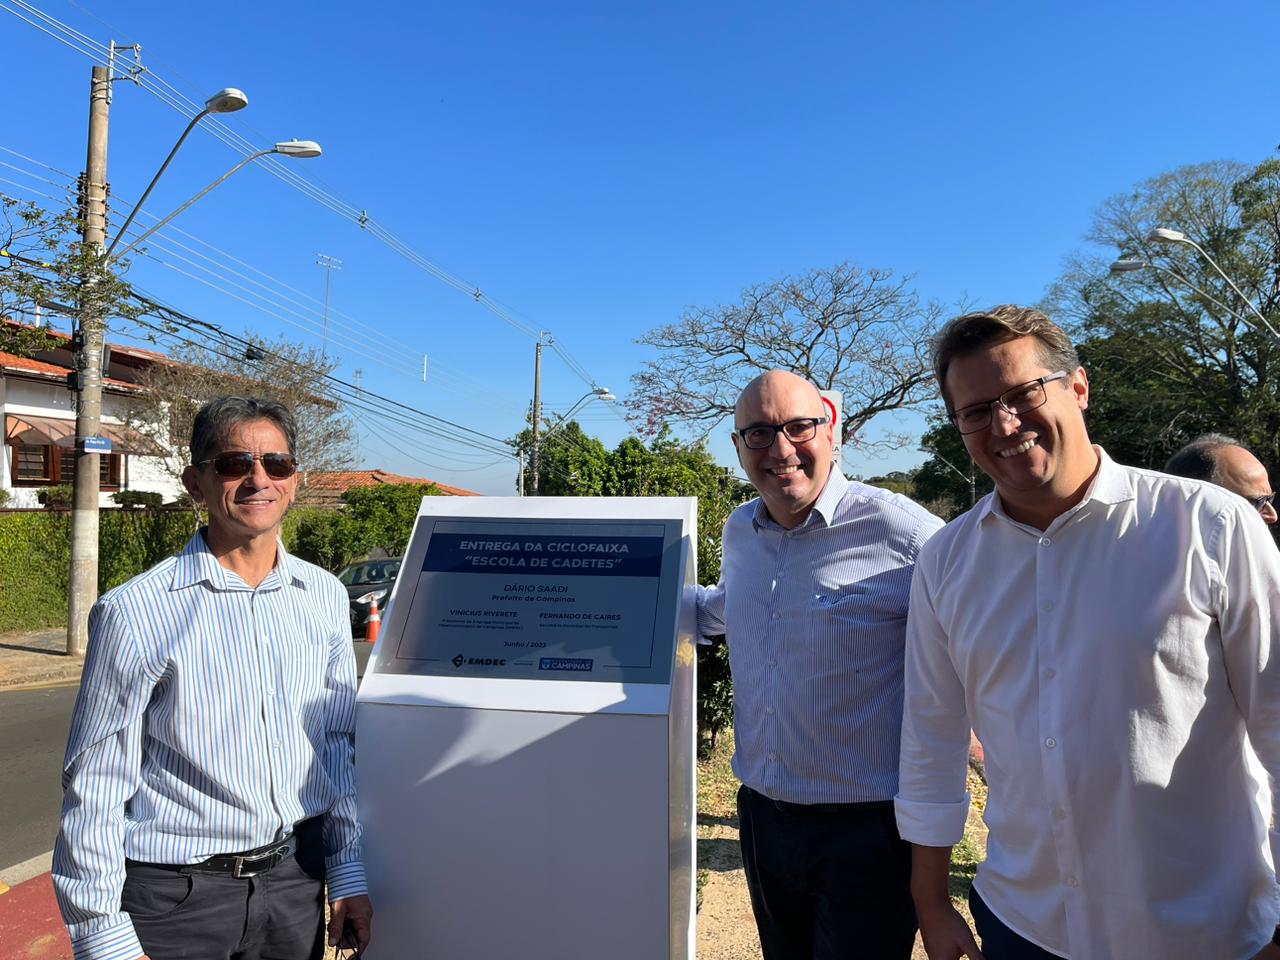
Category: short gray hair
[214,422]
[1199,458]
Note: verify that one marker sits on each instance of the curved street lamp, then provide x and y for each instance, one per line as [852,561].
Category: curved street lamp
[226,100]
[595,393]
[297,149]
[1165,235]
[1132,264]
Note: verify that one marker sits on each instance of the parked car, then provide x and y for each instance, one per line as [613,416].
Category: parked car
[367,581]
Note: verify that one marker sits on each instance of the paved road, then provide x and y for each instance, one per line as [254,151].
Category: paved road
[33,735]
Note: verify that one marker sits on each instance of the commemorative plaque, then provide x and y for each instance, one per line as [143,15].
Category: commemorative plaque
[525,733]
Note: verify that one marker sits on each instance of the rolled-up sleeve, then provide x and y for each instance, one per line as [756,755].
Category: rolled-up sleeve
[100,774]
[932,802]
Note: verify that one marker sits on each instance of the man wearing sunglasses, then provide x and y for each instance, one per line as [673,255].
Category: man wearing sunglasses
[209,777]
[1221,460]
[1111,635]
[813,603]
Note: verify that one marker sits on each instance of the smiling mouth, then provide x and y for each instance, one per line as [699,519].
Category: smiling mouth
[785,470]
[1020,448]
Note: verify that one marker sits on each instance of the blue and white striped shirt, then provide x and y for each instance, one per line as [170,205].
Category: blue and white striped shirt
[212,718]
[815,618]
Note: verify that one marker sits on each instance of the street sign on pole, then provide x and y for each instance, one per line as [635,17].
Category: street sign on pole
[95,444]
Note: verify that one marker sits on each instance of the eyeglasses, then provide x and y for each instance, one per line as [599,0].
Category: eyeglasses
[760,436]
[278,466]
[1015,401]
[1261,503]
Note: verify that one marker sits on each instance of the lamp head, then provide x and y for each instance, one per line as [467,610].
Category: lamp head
[298,149]
[1165,235]
[1127,265]
[226,101]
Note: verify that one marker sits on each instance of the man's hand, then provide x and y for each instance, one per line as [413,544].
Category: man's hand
[945,934]
[358,912]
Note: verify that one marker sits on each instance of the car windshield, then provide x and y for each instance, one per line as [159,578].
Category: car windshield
[371,571]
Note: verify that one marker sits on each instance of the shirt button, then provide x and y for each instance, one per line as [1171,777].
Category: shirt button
[1059,813]
[1050,673]
[276,744]
[1072,881]
[1048,606]
[271,691]
[768,710]
[773,663]
[1050,742]
[1045,541]
[773,756]
[776,615]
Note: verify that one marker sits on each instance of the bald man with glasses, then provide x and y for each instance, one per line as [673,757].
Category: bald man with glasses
[813,603]
[1220,459]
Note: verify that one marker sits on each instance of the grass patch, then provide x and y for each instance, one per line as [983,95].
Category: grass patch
[717,786]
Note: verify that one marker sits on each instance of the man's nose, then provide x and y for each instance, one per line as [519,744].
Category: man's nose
[782,446]
[1003,423]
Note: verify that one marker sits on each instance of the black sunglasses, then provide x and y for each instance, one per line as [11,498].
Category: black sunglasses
[1261,503]
[278,466]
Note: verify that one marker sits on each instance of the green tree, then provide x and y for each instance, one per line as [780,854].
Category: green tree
[864,332]
[942,482]
[383,516]
[43,264]
[1172,350]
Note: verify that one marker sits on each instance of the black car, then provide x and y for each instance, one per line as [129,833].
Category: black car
[367,581]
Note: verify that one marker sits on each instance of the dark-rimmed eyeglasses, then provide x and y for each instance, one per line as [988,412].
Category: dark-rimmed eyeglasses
[760,436]
[1015,401]
[232,466]
[1261,503]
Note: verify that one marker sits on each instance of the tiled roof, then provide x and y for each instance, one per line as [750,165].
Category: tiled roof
[327,486]
[10,361]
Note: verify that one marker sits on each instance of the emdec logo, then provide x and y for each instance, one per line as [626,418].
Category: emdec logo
[459,660]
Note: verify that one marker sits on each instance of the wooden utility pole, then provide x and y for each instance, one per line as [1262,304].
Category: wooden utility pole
[537,415]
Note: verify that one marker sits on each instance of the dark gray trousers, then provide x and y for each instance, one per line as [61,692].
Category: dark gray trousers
[827,881]
[182,914]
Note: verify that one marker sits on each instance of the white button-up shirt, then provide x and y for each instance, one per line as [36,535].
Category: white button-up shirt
[1111,666]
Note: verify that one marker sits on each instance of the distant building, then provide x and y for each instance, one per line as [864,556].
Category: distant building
[324,488]
[38,407]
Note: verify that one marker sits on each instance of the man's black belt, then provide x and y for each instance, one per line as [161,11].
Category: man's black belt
[786,806]
[249,863]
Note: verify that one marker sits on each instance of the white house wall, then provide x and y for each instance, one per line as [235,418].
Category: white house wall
[21,396]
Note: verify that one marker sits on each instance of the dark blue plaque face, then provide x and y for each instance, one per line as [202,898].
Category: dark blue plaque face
[539,599]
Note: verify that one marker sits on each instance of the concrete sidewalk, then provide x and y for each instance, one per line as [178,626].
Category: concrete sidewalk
[36,658]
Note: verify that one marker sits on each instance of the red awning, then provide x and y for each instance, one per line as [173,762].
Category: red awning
[27,428]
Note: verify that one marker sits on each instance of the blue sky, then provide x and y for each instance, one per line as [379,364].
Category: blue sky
[597,167]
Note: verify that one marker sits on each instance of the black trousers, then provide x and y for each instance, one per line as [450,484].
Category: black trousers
[182,914]
[828,882]
[998,941]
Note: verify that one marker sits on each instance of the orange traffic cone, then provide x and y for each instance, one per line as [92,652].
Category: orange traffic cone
[373,624]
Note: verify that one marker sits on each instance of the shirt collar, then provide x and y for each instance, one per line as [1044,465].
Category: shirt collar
[1111,485]
[197,564]
[824,507]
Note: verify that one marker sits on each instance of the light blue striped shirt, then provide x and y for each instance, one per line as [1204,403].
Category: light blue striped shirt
[815,618]
[212,717]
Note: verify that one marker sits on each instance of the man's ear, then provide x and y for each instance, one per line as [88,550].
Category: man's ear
[1080,387]
[189,481]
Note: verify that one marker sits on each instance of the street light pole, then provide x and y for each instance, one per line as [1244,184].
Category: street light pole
[537,413]
[82,589]
[1165,235]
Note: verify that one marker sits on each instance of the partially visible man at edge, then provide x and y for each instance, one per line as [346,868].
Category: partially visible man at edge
[209,777]
[1110,634]
[813,602]
[1222,460]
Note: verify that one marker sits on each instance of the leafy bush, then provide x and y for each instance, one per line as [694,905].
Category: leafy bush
[129,499]
[59,497]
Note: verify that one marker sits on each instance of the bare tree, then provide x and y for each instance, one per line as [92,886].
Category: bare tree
[864,332]
[281,370]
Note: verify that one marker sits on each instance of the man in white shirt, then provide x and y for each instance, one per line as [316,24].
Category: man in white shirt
[1109,634]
